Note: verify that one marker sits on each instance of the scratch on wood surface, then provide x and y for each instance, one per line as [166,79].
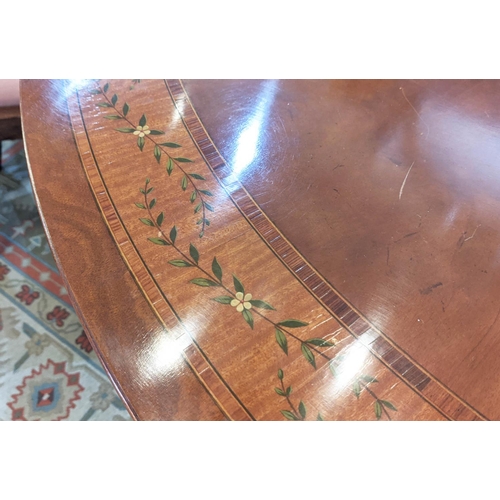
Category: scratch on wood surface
[406,236]
[473,234]
[283,125]
[396,162]
[333,337]
[429,289]
[404,180]
[418,114]
[463,239]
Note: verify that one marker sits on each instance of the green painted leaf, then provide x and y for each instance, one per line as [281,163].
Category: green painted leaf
[308,355]
[95,91]
[147,181]
[332,368]
[148,222]
[156,132]
[193,196]
[289,415]
[140,205]
[193,251]
[302,409]
[158,241]
[282,341]
[173,234]
[368,378]
[216,269]
[206,192]
[184,183]
[248,317]
[197,176]
[183,160]
[159,219]
[113,117]
[149,190]
[125,130]
[319,417]
[140,142]
[292,323]
[152,203]
[104,105]
[197,208]
[280,374]
[170,145]
[201,234]
[106,87]
[179,263]
[208,206]
[142,191]
[224,299]
[288,390]
[388,404]
[261,304]
[207,222]
[203,282]
[126,109]
[279,392]
[238,285]
[199,221]
[170,166]
[157,153]
[142,121]
[378,410]
[320,342]
[114,99]
[356,388]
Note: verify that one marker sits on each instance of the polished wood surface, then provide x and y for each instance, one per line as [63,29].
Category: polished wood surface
[111,307]
[359,215]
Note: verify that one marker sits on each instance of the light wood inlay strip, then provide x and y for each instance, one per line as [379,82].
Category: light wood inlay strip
[193,355]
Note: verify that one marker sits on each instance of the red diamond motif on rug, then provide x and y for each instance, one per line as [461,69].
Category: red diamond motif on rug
[48,393]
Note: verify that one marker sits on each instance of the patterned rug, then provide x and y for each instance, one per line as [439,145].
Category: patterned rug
[48,370]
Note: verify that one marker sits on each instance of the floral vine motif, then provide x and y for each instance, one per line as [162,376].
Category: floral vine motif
[298,413]
[134,83]
[142,131]
[215,279]
[244,303]
[361,384]
[380,405]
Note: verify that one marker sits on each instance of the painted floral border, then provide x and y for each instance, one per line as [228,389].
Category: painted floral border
[312,349]
[162,152]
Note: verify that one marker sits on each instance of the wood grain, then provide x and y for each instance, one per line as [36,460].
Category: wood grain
[227,365]
[110,306]
[173,351]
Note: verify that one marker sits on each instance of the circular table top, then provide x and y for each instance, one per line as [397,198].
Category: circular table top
[272,250]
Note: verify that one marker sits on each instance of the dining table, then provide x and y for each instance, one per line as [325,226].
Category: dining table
[290,250]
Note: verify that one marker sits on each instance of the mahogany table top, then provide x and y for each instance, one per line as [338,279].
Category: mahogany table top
[278,250]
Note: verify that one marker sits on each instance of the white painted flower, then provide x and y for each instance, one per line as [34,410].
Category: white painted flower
[241,302]
[142,131]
